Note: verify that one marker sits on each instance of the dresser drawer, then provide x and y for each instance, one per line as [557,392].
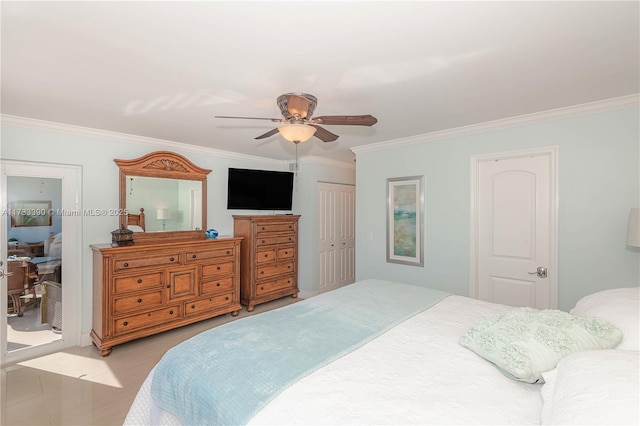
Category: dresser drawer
[275,227]
[263,256]
[146,319]
[200,306]
[270,239]
[268,271]
[137,302]
[286,253]
[137,282]
[146,261]
[271,286]
[217,269]
[216,286]
[195,256]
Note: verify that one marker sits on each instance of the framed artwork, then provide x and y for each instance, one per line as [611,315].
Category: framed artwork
[30,213]
[405,218]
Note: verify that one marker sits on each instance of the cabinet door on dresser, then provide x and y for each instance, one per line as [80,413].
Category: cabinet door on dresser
[269,257]
[143,290]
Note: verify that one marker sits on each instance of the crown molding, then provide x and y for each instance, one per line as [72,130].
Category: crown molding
[629,101]
[32,123]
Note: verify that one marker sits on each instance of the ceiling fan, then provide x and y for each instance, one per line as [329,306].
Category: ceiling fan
[299,125]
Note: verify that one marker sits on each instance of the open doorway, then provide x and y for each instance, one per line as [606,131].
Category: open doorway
[41,205]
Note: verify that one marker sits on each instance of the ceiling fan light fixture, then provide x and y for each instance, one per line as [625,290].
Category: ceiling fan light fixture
[297,133]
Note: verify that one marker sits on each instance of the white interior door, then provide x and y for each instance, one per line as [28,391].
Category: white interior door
[336,235]
[59,185]
[515,241]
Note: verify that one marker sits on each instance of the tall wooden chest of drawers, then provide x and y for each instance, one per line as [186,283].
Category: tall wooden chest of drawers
[269,257]
[145,289]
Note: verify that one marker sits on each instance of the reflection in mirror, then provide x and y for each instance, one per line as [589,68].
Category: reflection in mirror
[169,204]
[171,190]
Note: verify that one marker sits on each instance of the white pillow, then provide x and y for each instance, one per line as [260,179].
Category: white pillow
[525,342]
[135,228]
[621,307]
[55,249]
[593,387]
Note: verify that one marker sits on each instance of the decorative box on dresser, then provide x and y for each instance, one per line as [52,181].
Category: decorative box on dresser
[144,289]
[269,257]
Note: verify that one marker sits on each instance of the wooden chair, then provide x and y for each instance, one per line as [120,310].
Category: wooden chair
[21,276]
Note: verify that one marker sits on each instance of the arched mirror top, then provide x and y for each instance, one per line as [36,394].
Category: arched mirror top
[169,190]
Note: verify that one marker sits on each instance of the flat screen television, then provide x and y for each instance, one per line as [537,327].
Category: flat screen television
[250,189]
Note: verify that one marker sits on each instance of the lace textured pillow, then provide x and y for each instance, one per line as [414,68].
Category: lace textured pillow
[526,342]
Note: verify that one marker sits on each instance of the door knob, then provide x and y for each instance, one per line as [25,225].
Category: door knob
[541,272]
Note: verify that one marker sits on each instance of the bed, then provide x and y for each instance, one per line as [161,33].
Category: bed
[417,366]
[136,222]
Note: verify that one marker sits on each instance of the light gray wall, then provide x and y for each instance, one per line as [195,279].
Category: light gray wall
[306,203]
[599,181]
[41,189]
[100,183]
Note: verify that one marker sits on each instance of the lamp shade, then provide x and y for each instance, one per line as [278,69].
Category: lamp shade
[633,231]
[162,214]
[296,132]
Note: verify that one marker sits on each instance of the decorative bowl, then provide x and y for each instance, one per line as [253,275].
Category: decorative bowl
[211,233]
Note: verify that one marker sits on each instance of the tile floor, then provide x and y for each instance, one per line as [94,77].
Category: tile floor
[79,387]
[28,330]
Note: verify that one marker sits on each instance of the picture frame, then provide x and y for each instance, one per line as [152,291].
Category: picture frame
[405,220]
[30,213]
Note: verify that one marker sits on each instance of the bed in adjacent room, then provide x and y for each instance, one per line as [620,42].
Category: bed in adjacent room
[381,352]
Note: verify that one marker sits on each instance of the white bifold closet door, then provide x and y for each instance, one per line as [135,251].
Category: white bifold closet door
[336,235]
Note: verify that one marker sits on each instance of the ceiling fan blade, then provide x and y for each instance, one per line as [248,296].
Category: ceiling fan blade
[269,133]
[349,120]
[323,134]
[275,120]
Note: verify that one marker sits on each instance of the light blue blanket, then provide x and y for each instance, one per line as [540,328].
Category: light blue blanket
[227,374]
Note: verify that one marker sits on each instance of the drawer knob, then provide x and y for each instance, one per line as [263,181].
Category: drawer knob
[193,306]
[126,265]
[263,228]
[289,266]
[263,241]
[262,288]
[193,256]
[226,298]
[266,255]
[228,251]
[139,280]
[286,252]
[218,268]
[125,323]
[171,259]
[168,285]
[170,312]
[261,272]
[139,300]
[217,284]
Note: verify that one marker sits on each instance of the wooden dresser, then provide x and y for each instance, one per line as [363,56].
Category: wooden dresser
[269,257]
[144,289]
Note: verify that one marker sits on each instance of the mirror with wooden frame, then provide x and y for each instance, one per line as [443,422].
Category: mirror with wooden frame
[164,196]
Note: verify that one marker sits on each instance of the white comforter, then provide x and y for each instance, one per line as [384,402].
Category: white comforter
[416,373]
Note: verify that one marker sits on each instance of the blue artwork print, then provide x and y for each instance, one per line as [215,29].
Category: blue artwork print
[404,220]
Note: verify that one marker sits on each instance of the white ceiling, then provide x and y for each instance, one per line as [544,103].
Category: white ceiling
[165,69]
